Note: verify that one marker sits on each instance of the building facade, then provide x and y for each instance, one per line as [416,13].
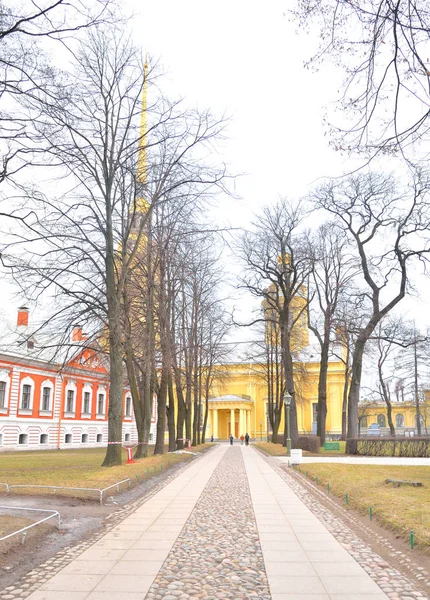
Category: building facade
[48,400]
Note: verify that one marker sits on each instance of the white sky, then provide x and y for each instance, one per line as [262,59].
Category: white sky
[245,59]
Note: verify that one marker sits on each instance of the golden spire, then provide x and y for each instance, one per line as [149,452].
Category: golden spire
[141,202]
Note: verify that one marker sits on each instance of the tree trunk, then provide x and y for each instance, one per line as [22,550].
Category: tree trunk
[161,412]
[345,399]
[416,391]
[181,415]
[354,390]
[115,411]
[322,391]
[137,407]
[171,416]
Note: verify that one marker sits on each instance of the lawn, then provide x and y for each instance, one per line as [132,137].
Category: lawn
[80,468]
[400,509]
[279,450]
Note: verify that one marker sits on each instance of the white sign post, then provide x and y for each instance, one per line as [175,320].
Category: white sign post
[296,456]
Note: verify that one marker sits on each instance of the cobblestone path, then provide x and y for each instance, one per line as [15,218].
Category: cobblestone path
[218,553]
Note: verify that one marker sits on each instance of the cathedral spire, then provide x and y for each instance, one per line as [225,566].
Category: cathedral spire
[141,167]
[141,156]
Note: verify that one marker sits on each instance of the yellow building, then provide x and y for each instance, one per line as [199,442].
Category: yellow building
[404,416]
[239,396]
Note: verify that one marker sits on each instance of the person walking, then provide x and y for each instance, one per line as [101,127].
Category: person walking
[246,439]
[242,437]
[231,439]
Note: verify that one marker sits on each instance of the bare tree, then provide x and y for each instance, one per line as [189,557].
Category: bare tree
[382,47]
[277,260]
[28,31]
[385,226]
[332,271]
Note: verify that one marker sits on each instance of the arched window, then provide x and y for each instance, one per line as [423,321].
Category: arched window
[68,438]
[4,391]
[70,404]
[127,411]
[99,438]
[87,397]
[84,438]
[101,401]
[363,421]
[26,395]
[127,437]
[381,421]
[46,396]
[421,420]
[400,420]
[44,438]
[23,438]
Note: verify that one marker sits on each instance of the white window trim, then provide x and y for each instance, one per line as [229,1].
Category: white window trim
[46,384]
[130,415]
[70,386]
[87,388]
[5,377]
[26,381]
[101,390]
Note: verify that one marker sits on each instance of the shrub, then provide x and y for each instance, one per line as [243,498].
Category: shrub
[416,447]
[310,443]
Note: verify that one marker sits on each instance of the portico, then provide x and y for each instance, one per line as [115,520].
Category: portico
[229,414]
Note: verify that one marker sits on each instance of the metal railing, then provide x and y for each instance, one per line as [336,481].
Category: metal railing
[54,514]
[98,491]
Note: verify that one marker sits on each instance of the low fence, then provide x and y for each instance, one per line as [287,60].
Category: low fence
[414,447]
[361,506]
[54,488]
[53,515]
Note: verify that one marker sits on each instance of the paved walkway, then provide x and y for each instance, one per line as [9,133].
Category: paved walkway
[209,535]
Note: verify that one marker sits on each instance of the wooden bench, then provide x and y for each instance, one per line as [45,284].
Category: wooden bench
[332,446]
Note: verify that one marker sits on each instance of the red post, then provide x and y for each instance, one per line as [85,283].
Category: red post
[129,460]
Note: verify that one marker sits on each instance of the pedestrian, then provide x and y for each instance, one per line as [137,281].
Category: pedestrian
[231,439]
[242,437]
[212,438]
[246,439]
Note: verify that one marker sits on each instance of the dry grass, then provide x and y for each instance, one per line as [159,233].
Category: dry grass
[279,450]
[401,509]
[80,468]
[271,449]
[9,524]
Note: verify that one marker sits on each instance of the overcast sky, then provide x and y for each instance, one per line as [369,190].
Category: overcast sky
[246,59]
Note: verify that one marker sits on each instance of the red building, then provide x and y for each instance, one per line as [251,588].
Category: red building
[54,393]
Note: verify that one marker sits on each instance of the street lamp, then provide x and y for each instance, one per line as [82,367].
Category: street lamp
[261,430]
[287,402]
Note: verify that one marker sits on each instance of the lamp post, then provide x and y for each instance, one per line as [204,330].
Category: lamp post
[287,402]
[261,430]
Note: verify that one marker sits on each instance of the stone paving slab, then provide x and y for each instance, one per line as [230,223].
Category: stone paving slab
[313,544]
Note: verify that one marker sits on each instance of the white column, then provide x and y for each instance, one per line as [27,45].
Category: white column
[215,423]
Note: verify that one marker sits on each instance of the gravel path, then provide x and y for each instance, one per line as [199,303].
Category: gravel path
[218,553]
